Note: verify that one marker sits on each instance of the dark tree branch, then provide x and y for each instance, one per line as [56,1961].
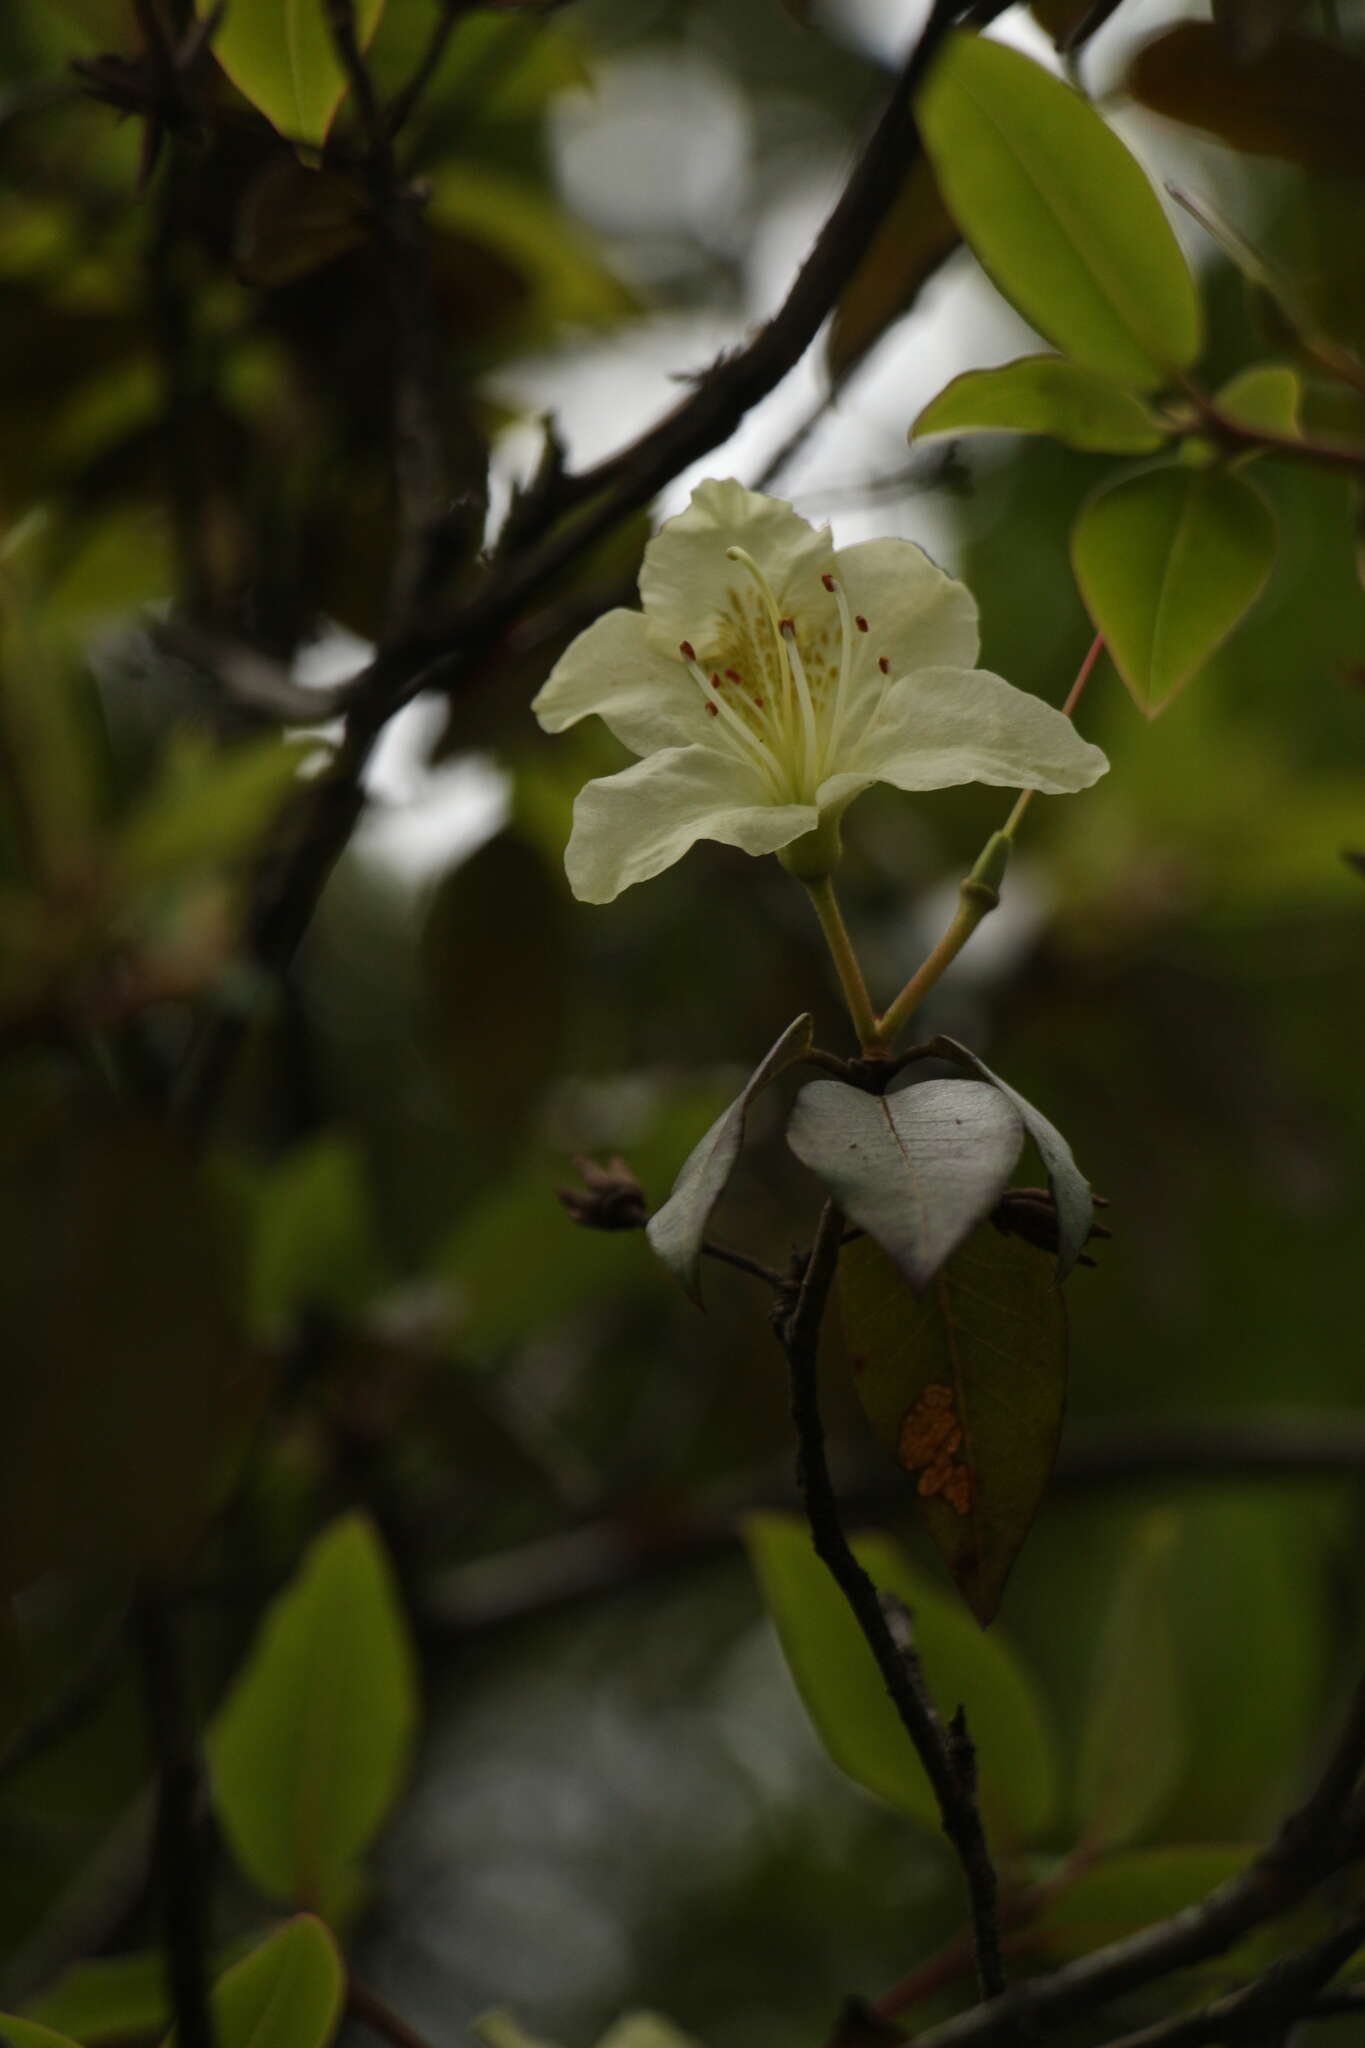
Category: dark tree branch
[1265,2009]
[289,892]
[409,96]
[945,1757]
[1318,1838]
[179,1846]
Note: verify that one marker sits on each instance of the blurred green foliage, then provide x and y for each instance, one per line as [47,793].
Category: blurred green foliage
[348,1360]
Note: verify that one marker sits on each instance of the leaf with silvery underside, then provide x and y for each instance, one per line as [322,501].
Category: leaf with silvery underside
[677,1229]
[965,1385]
[916,1170]
[1044,395]
[1070,1189]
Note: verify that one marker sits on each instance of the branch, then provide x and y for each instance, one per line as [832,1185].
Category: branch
[1262,2010]
[179,1849]
[946,1757]
[1315,1840]
[371,2010]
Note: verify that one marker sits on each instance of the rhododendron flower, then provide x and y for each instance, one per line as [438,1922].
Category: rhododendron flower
[770,679]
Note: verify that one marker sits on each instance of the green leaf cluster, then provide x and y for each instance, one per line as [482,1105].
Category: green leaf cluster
[1064,220]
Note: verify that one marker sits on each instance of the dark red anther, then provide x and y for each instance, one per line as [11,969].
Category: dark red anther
[711,708]
[734,675]
[861,623]
[787,626]
[883,664]
[687,650]
[828,582]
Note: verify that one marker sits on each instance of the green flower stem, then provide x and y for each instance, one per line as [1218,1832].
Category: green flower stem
[845,960]
[978,893]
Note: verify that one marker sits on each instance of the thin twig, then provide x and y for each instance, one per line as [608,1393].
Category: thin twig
[951,1782]
[718,403]
[1262,2010]
[742,1263]
[405,101]
[179,1847]
[1318,1838]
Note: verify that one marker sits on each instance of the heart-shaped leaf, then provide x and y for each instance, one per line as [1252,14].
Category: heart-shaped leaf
[1044,395]
[676,1230]
[916,1170]
[1168,562]
[965,1385]
[1058,213]
[1070,1189]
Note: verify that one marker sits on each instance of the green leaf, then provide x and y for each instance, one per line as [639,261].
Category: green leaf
[1167,563]
[17,2033]
[645,2030]
[1299,100]
[915,239]
[500,2030]
[1121,1894]
[676,1230]
[965,1385]
[1133,1742]
[1043,395]
[108,1998]
[288,1993]
[113,1999]
[916,1170]
[279,54]
[838,1680]
[1267,396]
[1070,1189]
[309,1750]
[1059,213]
[208,806]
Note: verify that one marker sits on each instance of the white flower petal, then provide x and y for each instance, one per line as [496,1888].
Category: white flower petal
[944,726]
[686,579]
[630,826]
[647,700]
[917,615]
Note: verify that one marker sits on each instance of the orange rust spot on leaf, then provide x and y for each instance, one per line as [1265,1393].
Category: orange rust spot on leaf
[929,1442]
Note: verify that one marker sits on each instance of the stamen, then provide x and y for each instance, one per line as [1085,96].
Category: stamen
[861,623]
[883,664]
[760,755]
[794,663]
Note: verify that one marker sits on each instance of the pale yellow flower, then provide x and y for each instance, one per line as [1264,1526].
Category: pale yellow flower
[771,678]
